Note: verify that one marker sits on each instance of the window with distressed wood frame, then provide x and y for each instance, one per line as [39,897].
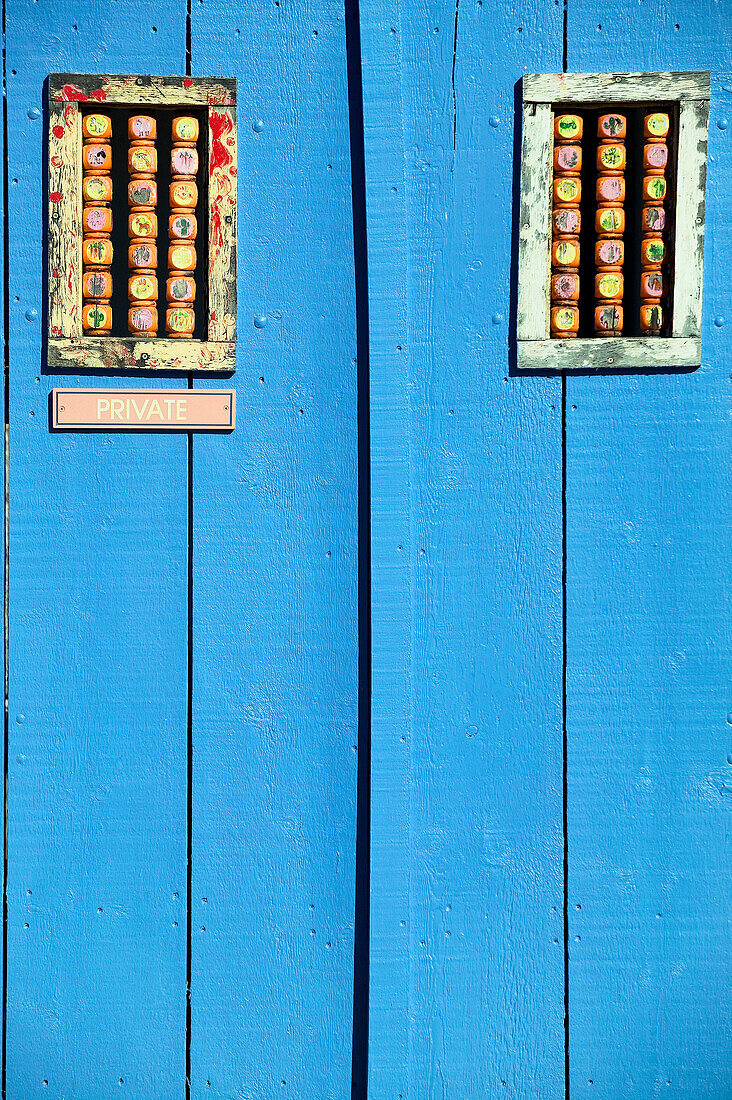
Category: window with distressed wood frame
[544,95]
[68,347]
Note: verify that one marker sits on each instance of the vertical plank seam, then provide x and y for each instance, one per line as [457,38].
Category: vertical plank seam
[189,769]
[565,805]
[564,37]
[454,59]
[189,39]
[6,545]
[360,1025]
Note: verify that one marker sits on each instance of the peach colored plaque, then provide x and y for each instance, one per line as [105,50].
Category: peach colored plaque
[144,410]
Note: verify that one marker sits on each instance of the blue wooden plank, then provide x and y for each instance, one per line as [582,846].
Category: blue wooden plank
[275,584]
[4,479]
[98,626]
[467,944]
[648,650]
[391,603]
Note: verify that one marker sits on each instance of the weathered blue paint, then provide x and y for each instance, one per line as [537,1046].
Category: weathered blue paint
[275,647]
[97,705]
[467,943]
[391,541]
[115,540]
[648,633]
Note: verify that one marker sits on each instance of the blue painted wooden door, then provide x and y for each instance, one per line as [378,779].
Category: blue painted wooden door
[477,619]
[550,872]
[182,739]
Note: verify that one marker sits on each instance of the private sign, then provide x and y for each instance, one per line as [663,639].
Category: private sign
[144,410]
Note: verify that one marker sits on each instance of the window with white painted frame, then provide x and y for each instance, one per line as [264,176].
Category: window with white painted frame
[611,234]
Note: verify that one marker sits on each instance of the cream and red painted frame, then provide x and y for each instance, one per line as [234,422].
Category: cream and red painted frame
[68,347]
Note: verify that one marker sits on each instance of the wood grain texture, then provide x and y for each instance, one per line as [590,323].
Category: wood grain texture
[609,87]
[3,550]
[532,318]
[468,901]
[133,89]
[627,352]
[690,209]
[90,353]
[392,620]
[64,220]
[649,641]
[96,876]
[275,657]
[222,223]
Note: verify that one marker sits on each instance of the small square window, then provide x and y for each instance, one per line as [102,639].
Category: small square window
[142,189]
[611,236]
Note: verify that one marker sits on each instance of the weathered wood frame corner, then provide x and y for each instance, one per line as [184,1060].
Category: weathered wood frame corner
[68,347]
[541,92]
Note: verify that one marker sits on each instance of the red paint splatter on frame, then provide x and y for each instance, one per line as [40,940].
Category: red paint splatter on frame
[55,196]
[98,94]
[72,94]
[58,131]
[221,126]
[56,162]
[188,83]
[215,233]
